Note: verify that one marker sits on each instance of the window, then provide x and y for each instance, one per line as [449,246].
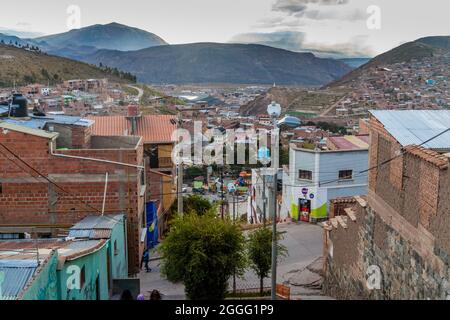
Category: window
[345,174]
[82,277]
[305,175]
[116,251]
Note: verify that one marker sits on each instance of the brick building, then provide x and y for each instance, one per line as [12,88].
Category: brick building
[76,162]
[397,244]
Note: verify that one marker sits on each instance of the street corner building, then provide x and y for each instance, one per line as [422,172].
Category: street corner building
[394,244]
[316,176]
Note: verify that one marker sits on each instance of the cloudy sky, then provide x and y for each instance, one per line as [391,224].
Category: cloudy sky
[326,27]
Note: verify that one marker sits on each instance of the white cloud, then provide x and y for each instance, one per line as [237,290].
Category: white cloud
[297,41]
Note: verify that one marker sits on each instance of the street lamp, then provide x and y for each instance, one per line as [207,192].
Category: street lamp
[274,110]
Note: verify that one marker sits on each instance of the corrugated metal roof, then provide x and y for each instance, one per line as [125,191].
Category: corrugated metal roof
[76,249]
[417,126]
[95,227]
[98,222]
[14,276]
[40,122]
[152,128]
[28,130]
[90,234]
[4,109]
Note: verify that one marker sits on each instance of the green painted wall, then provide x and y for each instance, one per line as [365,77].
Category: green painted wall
[95,266]
[119,264]
[45,285]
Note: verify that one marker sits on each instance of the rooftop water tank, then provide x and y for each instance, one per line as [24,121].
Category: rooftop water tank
[18,107]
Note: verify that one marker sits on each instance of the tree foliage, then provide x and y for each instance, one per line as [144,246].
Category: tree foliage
[203,253]
[195,204]
[260,252]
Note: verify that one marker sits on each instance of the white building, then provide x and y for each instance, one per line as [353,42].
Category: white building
[262,186]
[314,177]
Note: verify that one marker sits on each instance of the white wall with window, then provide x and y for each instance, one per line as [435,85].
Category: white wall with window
[314,177]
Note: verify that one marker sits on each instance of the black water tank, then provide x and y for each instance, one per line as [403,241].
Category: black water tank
[18,107]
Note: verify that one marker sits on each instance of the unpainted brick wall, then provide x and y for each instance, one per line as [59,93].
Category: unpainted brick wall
[26,198]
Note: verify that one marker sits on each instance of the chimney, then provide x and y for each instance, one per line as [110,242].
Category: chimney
[133,114]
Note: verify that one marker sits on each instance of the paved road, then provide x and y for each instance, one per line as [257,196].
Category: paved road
[304,244]
[153,280]
[303,241]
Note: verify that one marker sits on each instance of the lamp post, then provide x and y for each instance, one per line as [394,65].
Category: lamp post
[274,110]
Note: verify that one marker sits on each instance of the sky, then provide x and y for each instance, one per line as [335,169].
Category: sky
[325,27]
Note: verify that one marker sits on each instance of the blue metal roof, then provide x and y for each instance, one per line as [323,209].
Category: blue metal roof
[4,109]
[14,276]
[417,126]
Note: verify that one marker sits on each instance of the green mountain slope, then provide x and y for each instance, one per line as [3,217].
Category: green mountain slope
[23,67]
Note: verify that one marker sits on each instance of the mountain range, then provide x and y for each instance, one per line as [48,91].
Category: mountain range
[152,60]
[222,63]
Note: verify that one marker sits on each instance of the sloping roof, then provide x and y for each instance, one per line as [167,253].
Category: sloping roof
[28,130]
[110,126]
[95,227]
[98,222]
[350,142]
[417,126]
[153,128]
[35,122]
[26,249]
[14,276]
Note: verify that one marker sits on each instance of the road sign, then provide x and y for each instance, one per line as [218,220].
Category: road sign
[305,191]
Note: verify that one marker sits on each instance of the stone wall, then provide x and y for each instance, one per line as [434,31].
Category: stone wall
[405,273]
[403,231]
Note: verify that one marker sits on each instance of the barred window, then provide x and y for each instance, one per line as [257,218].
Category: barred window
[305,175]
[345,174]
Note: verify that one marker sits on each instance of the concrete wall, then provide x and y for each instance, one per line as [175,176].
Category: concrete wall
[325,167]
[95,266]
[118,252]
[44,285]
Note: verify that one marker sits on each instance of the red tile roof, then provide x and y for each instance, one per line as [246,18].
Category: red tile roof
[153,128]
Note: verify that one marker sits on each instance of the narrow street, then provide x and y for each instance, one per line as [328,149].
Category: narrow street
[304,244]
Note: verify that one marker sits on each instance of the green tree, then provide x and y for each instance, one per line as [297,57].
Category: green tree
[260,253]
[195,204]
[203,253]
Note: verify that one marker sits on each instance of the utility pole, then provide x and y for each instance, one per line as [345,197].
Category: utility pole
[180,174]
[264,195]
[275,146]
[222,193]
[234,221]
[180,187]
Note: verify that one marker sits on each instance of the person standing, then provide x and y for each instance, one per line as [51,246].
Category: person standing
[145,260]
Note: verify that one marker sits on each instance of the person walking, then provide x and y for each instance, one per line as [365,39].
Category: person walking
[145,260]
